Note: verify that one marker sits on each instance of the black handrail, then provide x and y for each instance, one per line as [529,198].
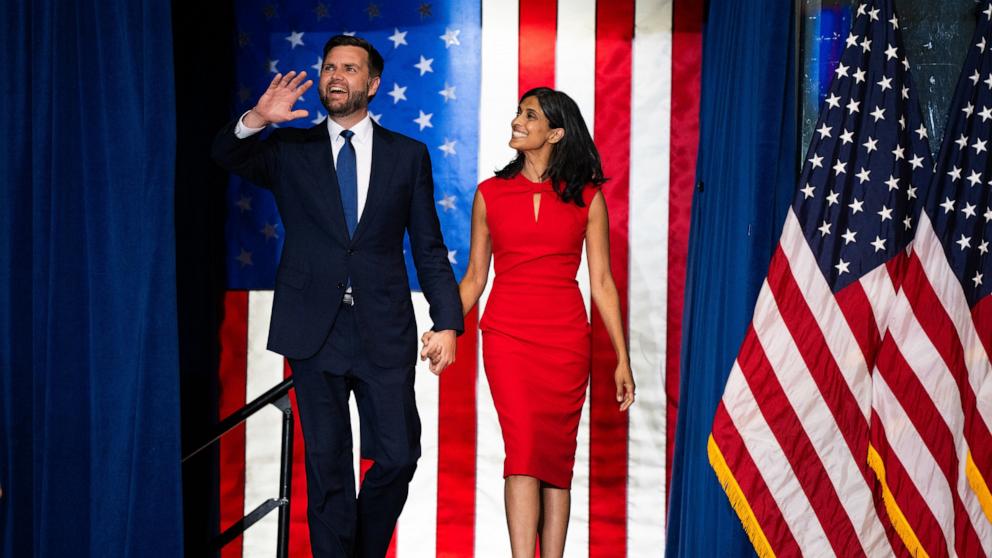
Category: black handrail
[278,396]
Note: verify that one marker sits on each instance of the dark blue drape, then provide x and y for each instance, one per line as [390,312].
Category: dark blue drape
[746,172]
[89,424]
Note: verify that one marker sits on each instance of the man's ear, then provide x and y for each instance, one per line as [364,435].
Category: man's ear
[374,85]
[556,135]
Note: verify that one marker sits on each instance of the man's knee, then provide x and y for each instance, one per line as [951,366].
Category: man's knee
[394,468]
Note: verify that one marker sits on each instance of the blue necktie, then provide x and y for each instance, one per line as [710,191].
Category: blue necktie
[348,181]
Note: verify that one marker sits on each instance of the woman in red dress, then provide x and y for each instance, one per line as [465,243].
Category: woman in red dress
[532,219]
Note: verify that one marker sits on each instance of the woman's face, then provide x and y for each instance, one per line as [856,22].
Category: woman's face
[531,129]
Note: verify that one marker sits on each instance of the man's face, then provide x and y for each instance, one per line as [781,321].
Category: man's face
[345,84]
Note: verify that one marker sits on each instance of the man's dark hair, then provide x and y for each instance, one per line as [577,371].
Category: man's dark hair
[376,63]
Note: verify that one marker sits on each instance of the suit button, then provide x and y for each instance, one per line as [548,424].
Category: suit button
[350,251]
[340,285]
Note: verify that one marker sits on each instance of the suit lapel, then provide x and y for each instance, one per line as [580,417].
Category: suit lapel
[382,171]
[328,193]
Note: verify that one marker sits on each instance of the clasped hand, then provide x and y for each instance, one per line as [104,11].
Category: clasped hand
[439,347]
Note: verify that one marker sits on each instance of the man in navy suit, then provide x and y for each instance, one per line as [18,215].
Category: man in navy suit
[347,189]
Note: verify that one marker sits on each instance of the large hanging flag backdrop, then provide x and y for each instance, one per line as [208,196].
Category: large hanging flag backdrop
[453,75]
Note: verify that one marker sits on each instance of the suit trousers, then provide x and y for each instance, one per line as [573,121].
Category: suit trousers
[341,524]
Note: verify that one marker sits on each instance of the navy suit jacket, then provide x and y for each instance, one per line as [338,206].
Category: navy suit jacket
[318,256]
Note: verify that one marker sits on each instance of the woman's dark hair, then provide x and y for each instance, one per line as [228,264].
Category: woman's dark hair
[574,159]
[376,63]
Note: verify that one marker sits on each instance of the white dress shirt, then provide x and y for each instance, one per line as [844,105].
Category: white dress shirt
[362,140]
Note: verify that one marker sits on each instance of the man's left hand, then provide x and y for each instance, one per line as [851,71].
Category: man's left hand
[440,347]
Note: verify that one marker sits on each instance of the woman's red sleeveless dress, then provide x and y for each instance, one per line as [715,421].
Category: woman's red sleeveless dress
[535,331]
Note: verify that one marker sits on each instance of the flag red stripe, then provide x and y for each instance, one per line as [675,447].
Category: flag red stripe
[687,55]
[538,32]
[897,268]
[934,432]
[233,370]
[939,327]
[608,427]
[816,353]
[794,440]
[758,495]
[906,495]
[857,310]
[456,448]
[299,533]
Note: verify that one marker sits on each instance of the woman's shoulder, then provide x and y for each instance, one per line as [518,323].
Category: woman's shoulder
[589,192]
[493,183]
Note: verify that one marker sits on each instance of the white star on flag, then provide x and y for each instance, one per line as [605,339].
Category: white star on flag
[448,92]
[878,243]
[450,37]
[295,39]
[398,37]
[447,202]
[398,93]
[964,242]
[424,120]
[448,147]
[424,65]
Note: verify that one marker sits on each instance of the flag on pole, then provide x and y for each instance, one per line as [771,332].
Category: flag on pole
[790,440]
[453,75]
[932,394]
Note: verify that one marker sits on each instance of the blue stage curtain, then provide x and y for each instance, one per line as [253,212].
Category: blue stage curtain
[89,394]
[746,172]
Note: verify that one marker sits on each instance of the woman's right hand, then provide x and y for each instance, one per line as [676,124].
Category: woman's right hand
[276,104]
[428,352]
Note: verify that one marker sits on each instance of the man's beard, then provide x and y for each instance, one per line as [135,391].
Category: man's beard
[357,100]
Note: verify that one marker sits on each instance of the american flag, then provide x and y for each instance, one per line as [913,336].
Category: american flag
[932,399]
[453,75]
[791,437]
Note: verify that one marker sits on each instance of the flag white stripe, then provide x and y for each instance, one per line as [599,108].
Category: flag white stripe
[648,288]
[263,430]
[839,338]
[575,53]
[417,526]
[769,460]
[818,422]
[497,103]
[881,294]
